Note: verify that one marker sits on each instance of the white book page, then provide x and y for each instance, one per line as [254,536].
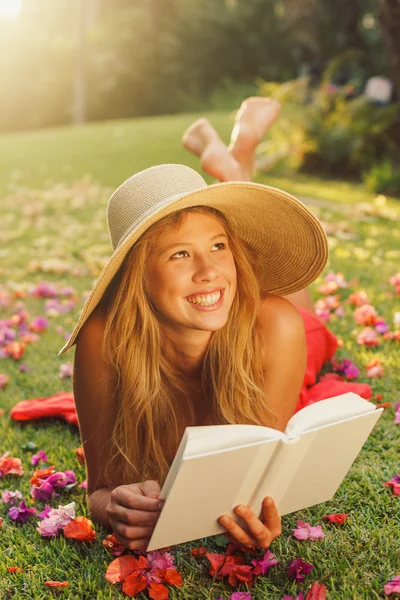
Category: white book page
[326,461]
[326,412]
[203,440]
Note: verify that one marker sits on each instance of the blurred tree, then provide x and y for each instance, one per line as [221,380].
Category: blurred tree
[390,22]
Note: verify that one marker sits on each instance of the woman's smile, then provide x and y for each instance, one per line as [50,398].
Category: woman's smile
[207,301]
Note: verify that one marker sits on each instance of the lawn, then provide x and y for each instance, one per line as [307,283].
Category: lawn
[54,188]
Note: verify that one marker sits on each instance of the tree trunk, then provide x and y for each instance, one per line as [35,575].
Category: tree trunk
[390,22]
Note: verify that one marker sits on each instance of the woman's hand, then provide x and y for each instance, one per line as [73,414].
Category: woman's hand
[133,511]
[258,533]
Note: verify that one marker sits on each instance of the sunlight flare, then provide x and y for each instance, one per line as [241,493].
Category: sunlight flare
[10,9]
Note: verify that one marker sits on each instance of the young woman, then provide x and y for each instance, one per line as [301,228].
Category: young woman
[186,326]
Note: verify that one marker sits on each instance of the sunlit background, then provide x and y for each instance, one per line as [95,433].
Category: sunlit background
[10,9]
[72,61]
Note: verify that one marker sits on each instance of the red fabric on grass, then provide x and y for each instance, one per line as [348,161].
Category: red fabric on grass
[321,346]
[60,405]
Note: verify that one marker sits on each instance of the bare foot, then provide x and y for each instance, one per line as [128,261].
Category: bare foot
[202,139]
[252,122]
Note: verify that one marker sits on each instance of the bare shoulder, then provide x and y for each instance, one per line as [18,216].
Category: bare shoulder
[285,356]
[92,330]
[280,318]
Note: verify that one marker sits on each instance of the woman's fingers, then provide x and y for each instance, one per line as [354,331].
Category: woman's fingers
[130,532]
[124,495]
[236,533]
[271,517]
[256,533]
[132,516]
[139,544]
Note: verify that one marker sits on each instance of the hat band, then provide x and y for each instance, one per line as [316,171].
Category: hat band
[150,212]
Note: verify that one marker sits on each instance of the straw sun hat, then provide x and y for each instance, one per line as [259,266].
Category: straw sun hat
[289,241]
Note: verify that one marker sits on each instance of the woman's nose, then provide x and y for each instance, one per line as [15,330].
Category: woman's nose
[205,269]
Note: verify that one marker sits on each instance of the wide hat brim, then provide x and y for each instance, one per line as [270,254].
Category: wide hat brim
[289,241]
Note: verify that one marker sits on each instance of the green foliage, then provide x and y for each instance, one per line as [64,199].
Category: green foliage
[149,57]
[383,178]
[334,131]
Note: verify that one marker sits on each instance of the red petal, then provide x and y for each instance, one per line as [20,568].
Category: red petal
[241,573]
[173,577]
[216,560]
[317,592]
[200,551]
[80,529]
[158,591]
[15,570]
[134,584]
[122,567]
[56,583]
[338,518]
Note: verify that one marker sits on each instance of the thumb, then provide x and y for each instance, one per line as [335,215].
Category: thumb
[151,489]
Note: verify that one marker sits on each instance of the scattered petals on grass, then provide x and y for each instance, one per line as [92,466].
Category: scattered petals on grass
[39,325]
[358,298]
[172,577]
[365,315]
[40,456]
[113,545]
[3,380]
[134,583]
[66,370]
[80,529]
[299,597]
[44,491]
[200,551]
[21,513]
[57,519]
[394,484]
[305,531]
[338,518]
[240,596]
[56,583]
[392,586]
[368,337]
[9,497]
[298,569]
[157,591]
[374,368]
[15,570]
[120,568]
[41,474]
[263,565]
[346,368]
[317,592]
[10,465]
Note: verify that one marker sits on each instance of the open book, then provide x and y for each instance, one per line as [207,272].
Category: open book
[220,466]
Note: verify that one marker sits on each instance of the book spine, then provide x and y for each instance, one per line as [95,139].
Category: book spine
[279,472]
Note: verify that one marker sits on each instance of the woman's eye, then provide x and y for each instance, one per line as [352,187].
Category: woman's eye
[176,255]
[221,244]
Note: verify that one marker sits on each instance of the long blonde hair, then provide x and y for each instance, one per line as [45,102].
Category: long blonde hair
[232,373]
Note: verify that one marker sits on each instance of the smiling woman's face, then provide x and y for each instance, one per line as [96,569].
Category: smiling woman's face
[191,275]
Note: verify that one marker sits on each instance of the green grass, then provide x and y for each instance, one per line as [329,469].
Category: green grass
[66,222]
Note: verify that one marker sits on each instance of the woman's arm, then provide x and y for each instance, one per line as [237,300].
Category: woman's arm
[94,393]
[286,356]
[132,510]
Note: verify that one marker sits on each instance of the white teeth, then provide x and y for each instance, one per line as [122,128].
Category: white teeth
[208,300]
